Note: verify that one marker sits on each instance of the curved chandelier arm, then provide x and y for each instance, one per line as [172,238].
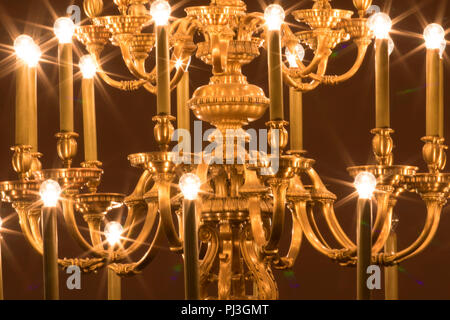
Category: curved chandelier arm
[72,226]
[136,204]
[219,52]
[250,23]
[288,261]
[29,224]
[137,267]
[130,85]
[335,227]
[290,40]
[22,212]
[179,60]
[292,79]
[258,231]
[279,188]
[362,45]
[149,223]
[182,33]
[33,220]
[207,235]
[262,276]
[434,209]
[383,222]
[95,233]
[310,234]
[165,209]
[322,53]
[135,66]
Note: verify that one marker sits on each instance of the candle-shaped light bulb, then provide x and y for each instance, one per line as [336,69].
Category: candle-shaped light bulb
[88,66]
[380,24]
[274,16]
[27,50]
[365,184]
[64,28]
[160,11]
[434,36]
[50,191]
[190,185]
[28,54]
[113,233]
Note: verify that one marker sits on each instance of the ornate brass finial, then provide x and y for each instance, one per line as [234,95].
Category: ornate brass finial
[93,8]
[362,6]
[281,140]
[66,147]
[163,131]
[383,145]
[434,153]
[22,160]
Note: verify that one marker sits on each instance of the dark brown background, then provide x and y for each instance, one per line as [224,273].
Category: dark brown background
[337,124]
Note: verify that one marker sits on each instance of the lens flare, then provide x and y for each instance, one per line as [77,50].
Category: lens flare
[190,186]
[50,191]
[274,15]
[64,28]
[88,67]
[434,35]
[365,184]
[27,50]
[160,11]
[113,232]
[380,24]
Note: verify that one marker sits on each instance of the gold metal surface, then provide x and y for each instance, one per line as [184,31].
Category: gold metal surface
[242,208]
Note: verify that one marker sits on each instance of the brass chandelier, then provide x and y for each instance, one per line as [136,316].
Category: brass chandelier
[224,211]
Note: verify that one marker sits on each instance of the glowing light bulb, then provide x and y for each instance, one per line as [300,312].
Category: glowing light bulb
[381,24]
[113,232]
[50,191]
[87,66]
[64,28]
[160,11]
[1,223]
[391,45]
[299,54]
[434,35]
[190,186]
[292,60]
[27,50]
[274,15]
[365,184]
[22,45]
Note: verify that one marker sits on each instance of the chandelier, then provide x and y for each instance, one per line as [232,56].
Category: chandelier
[223,208]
